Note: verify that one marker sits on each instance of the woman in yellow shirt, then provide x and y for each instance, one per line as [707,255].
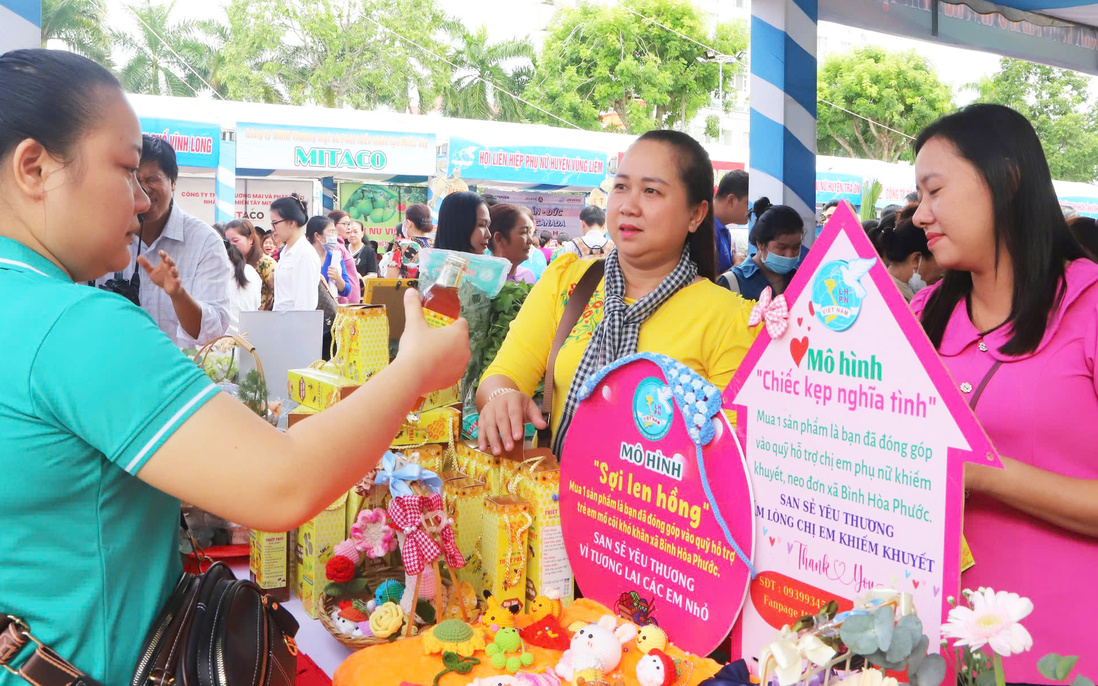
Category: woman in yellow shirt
[658,295]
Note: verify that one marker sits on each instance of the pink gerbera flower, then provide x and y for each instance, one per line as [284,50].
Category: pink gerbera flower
[992,620]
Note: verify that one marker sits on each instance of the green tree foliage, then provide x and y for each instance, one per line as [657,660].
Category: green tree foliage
[335,53]
[508,65]
[603,58]
[1055,101]
[154,66]
[898,89]
[79,24]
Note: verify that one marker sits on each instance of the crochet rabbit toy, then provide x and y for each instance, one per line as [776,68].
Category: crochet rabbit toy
[596,646]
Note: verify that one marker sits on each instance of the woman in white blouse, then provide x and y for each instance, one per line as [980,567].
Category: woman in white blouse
[297,279]
[245,288]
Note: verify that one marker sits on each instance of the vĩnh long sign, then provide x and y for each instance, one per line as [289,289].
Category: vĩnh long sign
[280,147]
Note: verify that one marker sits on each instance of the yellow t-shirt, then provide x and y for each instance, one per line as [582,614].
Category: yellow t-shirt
[703,326]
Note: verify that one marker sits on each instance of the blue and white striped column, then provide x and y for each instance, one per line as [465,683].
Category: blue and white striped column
[783,105]
[225,178]
[22,24]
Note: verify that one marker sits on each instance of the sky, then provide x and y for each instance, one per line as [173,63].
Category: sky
[955,66]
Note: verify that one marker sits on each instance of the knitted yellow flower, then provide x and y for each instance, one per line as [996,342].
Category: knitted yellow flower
[387,620]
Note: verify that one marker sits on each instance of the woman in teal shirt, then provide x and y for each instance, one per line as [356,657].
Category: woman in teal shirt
[104,424]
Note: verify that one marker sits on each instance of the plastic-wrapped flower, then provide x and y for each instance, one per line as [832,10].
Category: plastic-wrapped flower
[992,620]
[340,569]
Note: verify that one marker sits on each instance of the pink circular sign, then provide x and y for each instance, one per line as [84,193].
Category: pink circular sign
[644,535]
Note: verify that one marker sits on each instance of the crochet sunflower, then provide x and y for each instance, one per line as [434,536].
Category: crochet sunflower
[453,636]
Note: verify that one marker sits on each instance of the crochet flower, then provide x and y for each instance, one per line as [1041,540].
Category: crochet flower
[340,569]
[992,620]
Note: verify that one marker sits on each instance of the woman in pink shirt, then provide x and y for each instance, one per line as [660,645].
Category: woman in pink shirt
[1016,322]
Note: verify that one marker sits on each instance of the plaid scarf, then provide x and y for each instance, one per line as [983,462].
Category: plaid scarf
[617,333]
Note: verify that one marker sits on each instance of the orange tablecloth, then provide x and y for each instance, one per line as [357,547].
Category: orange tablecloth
[392,664]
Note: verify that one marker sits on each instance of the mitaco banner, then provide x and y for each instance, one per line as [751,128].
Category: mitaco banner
[196,196]
[196,144]
[530,165]
[324,151]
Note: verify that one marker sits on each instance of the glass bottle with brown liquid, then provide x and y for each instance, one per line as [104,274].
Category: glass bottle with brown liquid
[441,305]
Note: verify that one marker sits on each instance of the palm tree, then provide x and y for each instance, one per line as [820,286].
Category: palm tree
[204,52]
[79,24]
[154,67]
[470,94]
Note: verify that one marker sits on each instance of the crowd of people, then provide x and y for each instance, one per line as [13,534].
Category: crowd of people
[95,453]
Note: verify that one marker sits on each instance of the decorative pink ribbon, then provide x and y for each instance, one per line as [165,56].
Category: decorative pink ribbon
[419,548]
[773,311]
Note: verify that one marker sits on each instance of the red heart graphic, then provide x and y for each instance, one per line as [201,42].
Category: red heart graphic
[811,310]
[771,541]
[800,320]
[797,348]
[915,583]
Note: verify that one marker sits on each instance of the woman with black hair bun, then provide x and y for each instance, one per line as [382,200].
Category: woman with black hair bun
[1015,320]
[298,275]
[777,237]
[910,263]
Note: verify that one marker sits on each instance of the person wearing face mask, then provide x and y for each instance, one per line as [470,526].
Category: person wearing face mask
[777,238]
[910,263]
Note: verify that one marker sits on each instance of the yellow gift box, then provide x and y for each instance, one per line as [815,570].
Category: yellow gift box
[268,559]
[547,568]
[361,336]
[441,425]
[480,466]
[444,398]
[316,539]
[318,388]
[504,539]
[298,413]
[427,456]
[464,498]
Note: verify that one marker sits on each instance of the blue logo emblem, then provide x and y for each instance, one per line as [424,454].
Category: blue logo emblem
[653,409]
[837,292]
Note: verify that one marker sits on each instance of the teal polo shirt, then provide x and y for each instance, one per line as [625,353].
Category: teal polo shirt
[91,389]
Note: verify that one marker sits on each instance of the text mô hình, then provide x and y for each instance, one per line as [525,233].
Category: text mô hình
[653,460]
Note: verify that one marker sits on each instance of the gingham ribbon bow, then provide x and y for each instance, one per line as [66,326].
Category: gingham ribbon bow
[419,548]
[773,311]
[454,558]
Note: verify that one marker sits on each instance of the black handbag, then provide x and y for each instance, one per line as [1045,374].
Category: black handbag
[215,630]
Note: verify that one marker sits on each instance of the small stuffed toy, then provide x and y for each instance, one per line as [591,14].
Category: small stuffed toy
[548,634]
[496,616]
[507,652]
[547,605]
[596,646]
[656,669]
[651,637]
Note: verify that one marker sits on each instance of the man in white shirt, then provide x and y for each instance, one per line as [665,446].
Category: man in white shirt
[594,242]
[184,268]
